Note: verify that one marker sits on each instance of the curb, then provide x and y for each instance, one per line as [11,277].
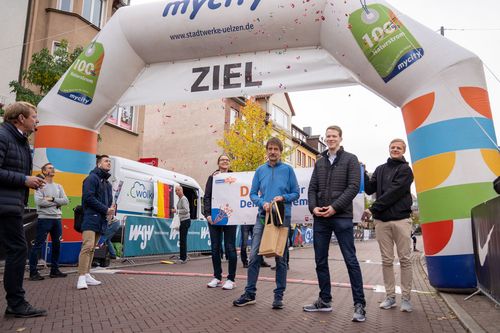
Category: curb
[465,319]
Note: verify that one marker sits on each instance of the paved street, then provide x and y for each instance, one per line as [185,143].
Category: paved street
[158,297]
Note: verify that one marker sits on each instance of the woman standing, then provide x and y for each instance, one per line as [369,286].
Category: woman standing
[219,232]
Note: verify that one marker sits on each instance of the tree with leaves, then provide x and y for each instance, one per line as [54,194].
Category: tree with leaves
[245,141]
[43,72]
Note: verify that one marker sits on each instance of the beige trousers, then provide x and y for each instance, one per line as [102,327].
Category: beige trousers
[90,239]
[399,233]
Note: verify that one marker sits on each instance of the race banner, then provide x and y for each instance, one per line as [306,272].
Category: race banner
[148,236]
[231,202]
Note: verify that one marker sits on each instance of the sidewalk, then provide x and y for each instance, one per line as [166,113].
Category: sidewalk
[158,297]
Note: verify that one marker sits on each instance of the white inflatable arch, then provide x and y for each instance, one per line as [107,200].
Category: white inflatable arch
[204,49]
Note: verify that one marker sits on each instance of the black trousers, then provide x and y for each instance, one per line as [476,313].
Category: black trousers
[183,232]
[12,236]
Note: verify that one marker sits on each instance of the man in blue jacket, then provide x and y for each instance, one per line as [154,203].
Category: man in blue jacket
[272,181]
[97,205]
[20,120]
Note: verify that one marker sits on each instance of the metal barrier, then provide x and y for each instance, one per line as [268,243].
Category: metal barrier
[486,242]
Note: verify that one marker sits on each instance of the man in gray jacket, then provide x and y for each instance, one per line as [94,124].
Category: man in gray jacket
[48,199]
[185,218]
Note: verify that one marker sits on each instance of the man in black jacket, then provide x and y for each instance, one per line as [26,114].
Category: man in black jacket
[98,209]
[391,212]
[15,181]
[334,184]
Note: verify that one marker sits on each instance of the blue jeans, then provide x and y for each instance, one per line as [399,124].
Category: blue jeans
[108,236]
[229,235]
[44,227]
[256,260]
[343,229]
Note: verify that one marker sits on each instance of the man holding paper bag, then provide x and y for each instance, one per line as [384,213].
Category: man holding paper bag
[273,182]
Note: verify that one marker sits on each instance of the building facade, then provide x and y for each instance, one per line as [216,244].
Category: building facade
[308,147]
[183,136]
[37,24]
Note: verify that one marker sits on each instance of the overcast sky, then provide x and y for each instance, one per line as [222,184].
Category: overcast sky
[368,122]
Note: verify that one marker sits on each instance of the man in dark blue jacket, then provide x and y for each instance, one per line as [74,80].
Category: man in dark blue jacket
[333,186]
[97,205]
[15,181]
[391,212]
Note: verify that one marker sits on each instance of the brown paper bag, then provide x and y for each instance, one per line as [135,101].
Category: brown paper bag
[273,239]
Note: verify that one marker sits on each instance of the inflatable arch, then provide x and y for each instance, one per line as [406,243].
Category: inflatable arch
[201,49]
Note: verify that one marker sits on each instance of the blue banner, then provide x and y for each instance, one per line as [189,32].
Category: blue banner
[149,236]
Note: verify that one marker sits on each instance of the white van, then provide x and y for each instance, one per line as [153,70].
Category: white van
[134,187]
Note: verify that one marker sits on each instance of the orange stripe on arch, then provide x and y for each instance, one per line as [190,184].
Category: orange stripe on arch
[478,99]
[416,111]
[64,137]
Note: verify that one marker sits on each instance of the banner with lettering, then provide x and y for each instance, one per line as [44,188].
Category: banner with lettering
[148,236]
[231,202]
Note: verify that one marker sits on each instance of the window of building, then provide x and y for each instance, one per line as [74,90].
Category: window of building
[94,11]
[233,115]
[55,46]
[303,160]
[289,157]
[279,117]
[309,162]
[124,117]
[299,156]
[66,5]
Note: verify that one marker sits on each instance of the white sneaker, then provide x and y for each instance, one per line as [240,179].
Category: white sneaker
[82,283]
[91,281]
[228,285]
[214,283]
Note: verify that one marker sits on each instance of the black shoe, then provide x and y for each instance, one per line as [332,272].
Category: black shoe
[244,299]
[273,268]
[278,303]
[112,257]
[359,313]
[25,310]
[36,277]
[245,265]
[264,264]
[58,274]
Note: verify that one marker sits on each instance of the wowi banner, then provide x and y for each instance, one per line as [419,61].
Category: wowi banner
[231,202]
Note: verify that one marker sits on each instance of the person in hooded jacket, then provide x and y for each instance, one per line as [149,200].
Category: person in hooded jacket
[391,212]
[97,203]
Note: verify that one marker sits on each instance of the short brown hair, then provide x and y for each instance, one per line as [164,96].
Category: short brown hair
[276,142]
[398,140]
[99,158]
[13,111]
[335,128]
